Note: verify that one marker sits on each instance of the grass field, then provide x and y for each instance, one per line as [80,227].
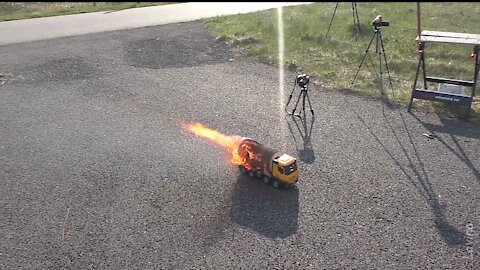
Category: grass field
[336,58]
[26,10]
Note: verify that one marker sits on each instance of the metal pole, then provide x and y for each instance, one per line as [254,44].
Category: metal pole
[419,29]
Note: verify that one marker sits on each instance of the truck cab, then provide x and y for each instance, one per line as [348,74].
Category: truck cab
[285,169]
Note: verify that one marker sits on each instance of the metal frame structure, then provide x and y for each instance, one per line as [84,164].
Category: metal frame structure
[447,98]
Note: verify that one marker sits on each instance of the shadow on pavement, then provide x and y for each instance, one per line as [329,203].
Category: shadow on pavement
[420,179]
[264,209]
[455,127]
[306,153]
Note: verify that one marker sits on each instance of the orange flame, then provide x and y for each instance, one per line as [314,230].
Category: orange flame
[230,143]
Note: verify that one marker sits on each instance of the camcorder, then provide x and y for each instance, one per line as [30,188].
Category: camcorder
[302,80]
[379,22]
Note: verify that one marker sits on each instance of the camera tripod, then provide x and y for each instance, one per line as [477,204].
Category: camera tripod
[304,94]
[379,49]
[356,20]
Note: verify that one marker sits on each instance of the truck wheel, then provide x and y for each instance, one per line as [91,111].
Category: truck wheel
[275,184]
[259,174]
[252,173]
[242,169]
[266,179]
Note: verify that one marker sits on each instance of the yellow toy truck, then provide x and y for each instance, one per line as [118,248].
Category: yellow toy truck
[268,164]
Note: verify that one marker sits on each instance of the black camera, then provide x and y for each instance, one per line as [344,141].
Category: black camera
[384,23]
[379,22]
[302,80]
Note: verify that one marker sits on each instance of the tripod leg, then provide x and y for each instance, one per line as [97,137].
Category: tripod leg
[354,21]
[291,94]
[311,126]
[334,11]
[310,104]
[303,101]
[296,103]
[298,127]
[356,15]
[386,65]
[379,52]
[365,55]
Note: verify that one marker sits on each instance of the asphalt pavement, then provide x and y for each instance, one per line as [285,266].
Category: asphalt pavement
[36,29]
[97,173]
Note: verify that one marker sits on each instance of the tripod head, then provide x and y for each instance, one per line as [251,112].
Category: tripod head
[378,22]
[302,80]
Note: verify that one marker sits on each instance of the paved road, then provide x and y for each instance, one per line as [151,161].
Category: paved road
[79,24]
[95,171]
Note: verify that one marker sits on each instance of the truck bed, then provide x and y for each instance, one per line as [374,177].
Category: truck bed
[258,155]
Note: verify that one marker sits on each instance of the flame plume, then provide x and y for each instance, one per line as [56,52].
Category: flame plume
[228,142]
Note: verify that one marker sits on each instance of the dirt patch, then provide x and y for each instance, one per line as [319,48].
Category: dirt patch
[184,46]
[60,69]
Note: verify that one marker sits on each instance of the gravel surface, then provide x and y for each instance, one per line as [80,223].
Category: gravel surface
[96,172]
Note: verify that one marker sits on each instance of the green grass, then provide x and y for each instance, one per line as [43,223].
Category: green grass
[26,10]
[335,59]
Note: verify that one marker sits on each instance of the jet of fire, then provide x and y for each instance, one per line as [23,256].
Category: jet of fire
[230,143]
